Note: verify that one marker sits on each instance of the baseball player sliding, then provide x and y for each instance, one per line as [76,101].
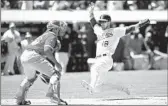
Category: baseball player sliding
[107,41]
[38,59]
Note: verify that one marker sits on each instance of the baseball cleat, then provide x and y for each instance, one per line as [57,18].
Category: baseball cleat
[54,99]
[87,86]
[126,90]
[24,102]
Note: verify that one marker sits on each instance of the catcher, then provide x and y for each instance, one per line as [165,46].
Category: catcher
[38,60]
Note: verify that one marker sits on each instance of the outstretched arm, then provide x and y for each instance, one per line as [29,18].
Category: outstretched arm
[132,28]
[91,15]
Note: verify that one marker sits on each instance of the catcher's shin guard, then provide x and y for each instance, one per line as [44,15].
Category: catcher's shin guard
[53,84]
[54,90]
[22,92]
[54,94]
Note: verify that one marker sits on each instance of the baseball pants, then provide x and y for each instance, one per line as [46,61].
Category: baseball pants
[63,59]
[99,68]
[9,66]
[32,62]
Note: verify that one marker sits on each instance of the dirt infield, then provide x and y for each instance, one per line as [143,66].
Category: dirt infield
[147,88]
[105,101]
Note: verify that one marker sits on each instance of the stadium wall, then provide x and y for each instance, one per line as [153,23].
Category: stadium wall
[80,15]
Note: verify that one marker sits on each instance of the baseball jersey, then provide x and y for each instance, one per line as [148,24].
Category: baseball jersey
[47,39]
[12,38]
[107,40]
[25,43]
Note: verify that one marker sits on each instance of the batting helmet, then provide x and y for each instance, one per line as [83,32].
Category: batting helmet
[57,24]
[105,18]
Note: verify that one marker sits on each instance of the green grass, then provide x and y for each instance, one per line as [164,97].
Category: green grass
[140,83]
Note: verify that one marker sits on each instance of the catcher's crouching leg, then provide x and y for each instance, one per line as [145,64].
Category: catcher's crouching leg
[22,92]
[54,89]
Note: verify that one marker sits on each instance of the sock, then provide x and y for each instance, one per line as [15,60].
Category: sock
[94,78]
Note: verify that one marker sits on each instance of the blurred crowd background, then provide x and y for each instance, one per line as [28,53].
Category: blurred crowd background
[144,49]
[83,5]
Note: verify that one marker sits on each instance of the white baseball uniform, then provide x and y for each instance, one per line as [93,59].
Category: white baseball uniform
[62,56]
[107,41]
[12,38]
[25,43]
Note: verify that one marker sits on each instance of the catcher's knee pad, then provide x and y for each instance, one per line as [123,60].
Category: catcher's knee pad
[24,87]
[54,79]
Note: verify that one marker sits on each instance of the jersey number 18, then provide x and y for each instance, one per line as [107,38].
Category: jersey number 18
[105,43]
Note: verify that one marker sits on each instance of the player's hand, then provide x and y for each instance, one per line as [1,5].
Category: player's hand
[91,8]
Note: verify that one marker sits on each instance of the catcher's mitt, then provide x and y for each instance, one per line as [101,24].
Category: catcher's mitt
[142,23]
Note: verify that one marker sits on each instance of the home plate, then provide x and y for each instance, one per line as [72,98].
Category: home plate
[98,101]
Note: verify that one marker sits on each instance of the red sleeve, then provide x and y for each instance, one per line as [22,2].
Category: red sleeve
[51,42]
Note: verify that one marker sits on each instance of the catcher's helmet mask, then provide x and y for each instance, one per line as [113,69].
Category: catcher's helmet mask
[57,25]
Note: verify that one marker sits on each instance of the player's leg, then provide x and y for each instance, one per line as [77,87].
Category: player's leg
[95,75]
[31,75]
[54,92]
[46,68]
[25,85]
[98,70]
[151,59]
[94,78]
[54,88]
[65,61]
[106,65]
[19,64]
[5,69]
[9,64]
[62,58]
[59,56]
[101,66]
